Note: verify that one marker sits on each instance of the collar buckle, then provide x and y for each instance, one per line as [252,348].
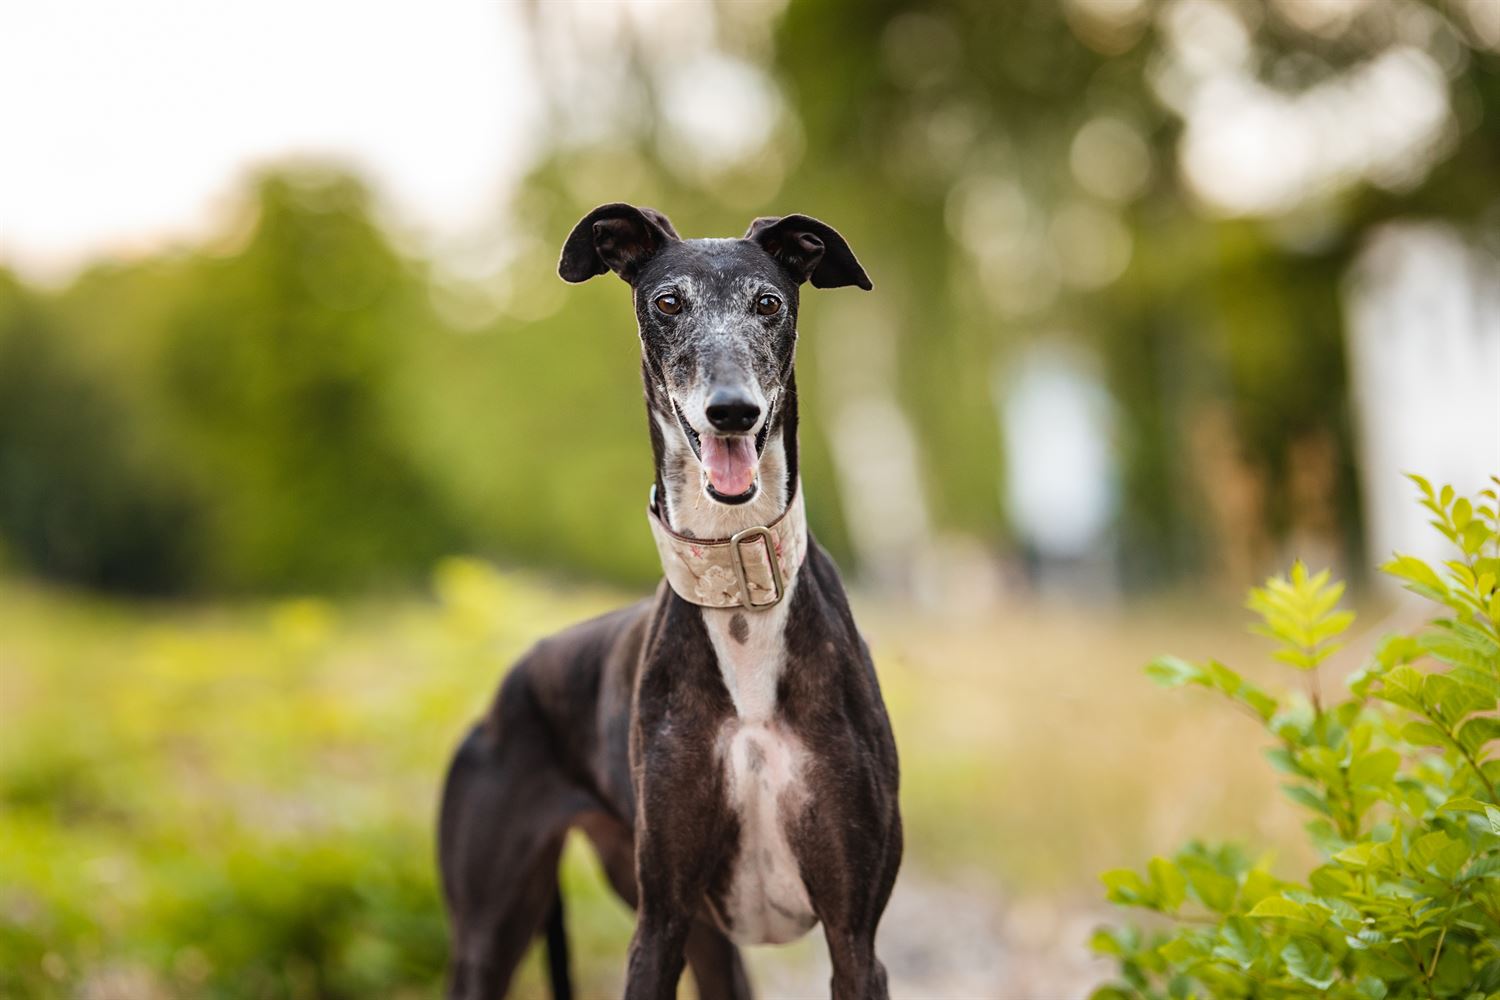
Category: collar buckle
[737,558]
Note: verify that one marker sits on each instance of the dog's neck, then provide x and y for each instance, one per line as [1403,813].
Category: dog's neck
[748,645]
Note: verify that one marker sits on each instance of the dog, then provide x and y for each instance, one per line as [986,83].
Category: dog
[723,744]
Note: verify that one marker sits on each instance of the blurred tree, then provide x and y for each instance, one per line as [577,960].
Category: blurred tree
[76,503]
[276,371]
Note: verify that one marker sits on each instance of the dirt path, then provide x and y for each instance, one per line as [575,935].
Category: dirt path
[955,939]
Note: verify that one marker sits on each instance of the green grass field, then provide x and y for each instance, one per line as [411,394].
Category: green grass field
[238,801]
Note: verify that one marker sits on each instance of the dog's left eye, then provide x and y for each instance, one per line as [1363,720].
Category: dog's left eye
[670,304]
[768,305]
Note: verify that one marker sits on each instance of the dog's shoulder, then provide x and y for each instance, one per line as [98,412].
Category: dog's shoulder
[569,675]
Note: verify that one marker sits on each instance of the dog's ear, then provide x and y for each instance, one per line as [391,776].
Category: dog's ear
[811,250]
[618,238]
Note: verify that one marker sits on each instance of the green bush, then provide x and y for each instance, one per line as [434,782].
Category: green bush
[1399,777]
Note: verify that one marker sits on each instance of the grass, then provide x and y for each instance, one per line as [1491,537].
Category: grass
[237,801]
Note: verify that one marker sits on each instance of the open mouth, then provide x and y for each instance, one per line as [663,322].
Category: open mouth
[731,461]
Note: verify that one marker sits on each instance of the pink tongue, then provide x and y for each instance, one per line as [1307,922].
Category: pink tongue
[730,463]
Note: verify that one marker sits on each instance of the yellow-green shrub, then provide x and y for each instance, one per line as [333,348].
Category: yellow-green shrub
[1399,776]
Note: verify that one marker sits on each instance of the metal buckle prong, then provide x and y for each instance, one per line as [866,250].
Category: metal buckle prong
[738,559]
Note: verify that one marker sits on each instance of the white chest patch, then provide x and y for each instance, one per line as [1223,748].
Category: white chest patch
[751,651]
[767,902]
[763,763]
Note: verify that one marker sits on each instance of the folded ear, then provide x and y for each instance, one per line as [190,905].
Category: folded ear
[618,238]
[810,250]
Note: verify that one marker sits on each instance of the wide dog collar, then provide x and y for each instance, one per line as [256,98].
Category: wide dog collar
[751,569]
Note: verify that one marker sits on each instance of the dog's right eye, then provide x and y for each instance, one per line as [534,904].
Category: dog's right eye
[670,304]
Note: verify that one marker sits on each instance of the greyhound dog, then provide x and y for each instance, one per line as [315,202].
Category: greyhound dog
[723,744]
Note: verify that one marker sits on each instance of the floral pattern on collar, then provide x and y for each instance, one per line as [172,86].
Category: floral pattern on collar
[702,571]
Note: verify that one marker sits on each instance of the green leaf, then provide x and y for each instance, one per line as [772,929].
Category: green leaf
[1172,671]
[1483,868]
[1221,677]
[1460,646]
[1376,768]
[1181,950]
[1278,907]
[1489,976]
[1462,512]
[1307,797]
[1439,853]
[1472,536]
[1332,625]
[1259,884]
[1299,611]
[1239,942]
[1124,886]
[1421,576]
[1307,960]
[1104,942]
[1452,700]
[1357,855]
[1477,679]
[1167,882]
[1424,734]
[1214,890]
[1462,803]
[1285,761]
[1260,703]
[1478,732]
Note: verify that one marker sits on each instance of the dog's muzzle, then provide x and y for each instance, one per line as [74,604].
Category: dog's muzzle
[730,461]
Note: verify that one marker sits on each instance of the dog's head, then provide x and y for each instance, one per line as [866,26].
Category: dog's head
[718,323]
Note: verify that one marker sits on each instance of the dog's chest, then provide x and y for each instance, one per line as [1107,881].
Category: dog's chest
[765,767]
[766,901]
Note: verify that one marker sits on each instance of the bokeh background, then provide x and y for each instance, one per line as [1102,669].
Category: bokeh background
[302,440]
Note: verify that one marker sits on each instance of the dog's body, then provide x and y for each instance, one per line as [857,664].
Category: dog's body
[733,766]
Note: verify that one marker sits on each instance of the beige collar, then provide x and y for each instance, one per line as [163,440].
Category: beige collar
[737,571]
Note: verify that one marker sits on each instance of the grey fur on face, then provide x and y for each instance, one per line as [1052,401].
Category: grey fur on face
[718,327]
[717,339]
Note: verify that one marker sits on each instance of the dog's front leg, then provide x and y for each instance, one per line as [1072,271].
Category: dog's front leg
[857,973]
[656,953]
[682,833]
[673,866]
[850,866]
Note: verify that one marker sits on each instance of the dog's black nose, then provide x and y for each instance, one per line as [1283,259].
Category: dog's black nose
[731,411]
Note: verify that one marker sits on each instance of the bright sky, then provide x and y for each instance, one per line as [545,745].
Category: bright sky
[124,125]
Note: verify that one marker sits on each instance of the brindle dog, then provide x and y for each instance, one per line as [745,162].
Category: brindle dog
[733,766]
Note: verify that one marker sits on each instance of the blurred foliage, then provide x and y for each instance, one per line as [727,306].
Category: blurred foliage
[1399,779]
[240,804]
[297,402]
